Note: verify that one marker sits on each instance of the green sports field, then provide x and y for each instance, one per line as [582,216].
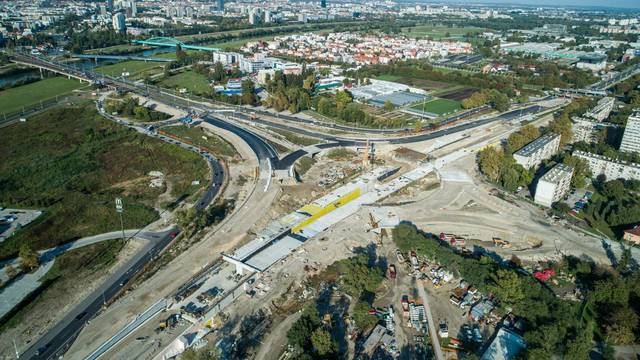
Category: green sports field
[440,32]
[439,106]
[192,81]
[132,67]
[25,96]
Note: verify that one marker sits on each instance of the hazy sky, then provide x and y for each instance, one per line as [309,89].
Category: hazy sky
[610,3]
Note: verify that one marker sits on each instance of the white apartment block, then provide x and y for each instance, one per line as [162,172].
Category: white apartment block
[631,138]
[553,185]
[539,149]
[602,110]
[585,129]
[611,168]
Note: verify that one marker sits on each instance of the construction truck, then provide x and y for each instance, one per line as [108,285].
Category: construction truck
[501,243]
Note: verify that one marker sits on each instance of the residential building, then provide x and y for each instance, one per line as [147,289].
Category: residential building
[553,185]
[611,168]
[586,129]
[220,5]
[540,149]
[118,23]
[632,235]
[602,110]
[631,138]
[225,58]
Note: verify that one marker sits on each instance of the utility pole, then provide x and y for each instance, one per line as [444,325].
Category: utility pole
[120,210]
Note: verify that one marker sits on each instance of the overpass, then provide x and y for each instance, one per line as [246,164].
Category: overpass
[58,68]
[120,57]
[173,43]
[606,84]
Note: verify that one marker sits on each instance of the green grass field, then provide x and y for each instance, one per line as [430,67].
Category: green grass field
[196,136]
[132,67]
[72,163]
[14,99]
[440,32]
[388,77]
[194,82]
[439,106]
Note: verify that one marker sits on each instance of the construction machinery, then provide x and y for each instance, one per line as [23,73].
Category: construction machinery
[501,243]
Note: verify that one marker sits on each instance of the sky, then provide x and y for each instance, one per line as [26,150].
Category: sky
[599,3]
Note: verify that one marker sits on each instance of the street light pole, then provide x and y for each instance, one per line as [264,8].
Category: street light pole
[120,210]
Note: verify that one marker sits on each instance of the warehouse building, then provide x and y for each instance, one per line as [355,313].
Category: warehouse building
[540,149]
[554,185]
[611,168]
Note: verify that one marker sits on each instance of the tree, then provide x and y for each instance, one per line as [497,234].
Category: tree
[579,347]
[581,170]
[508,288]
[300,332]
[10,271]
[613,189]
[621,325]
[29,258]
[490,160]
[388,105]
[323,343]
[248,93]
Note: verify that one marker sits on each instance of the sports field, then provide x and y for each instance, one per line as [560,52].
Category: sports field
[439,106]
[194,82]
[14,99]
[132,67]
[440,32]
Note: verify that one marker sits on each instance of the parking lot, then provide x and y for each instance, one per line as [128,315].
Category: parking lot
[13,219]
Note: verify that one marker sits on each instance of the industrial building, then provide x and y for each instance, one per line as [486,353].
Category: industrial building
[553,185]
[631,138]
[540,149]
[611,168]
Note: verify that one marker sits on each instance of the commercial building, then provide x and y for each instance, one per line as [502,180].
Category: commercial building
[118,22]
[611,168]
[553,185]
[592,61]
[540,149]
[220,5]
[631,138]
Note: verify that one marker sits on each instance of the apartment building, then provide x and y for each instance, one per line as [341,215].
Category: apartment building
[553,185]
[602,110]
[540,149]
[631,138]
[611,168]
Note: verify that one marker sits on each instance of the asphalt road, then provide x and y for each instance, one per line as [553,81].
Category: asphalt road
[263,150]
[58,339]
